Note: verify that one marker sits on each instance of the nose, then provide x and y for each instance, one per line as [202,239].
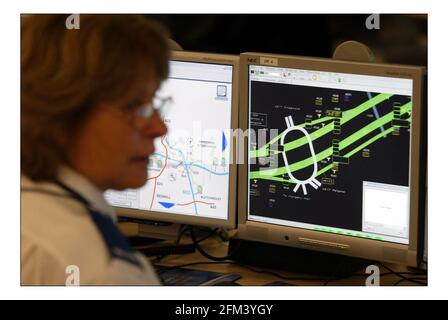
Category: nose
[154,127]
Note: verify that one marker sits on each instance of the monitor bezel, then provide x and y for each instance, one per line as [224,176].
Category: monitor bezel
[230,222]
[328,242]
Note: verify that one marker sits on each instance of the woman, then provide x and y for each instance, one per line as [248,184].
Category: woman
[88,124]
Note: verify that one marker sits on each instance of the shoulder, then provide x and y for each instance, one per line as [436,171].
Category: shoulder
[43,265]
[40,266]
[57,233]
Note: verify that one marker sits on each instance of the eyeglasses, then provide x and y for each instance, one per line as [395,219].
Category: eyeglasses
[145,111]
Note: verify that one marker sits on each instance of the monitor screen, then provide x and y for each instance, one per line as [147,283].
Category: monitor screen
[329,151]
[189,174]
[342,147]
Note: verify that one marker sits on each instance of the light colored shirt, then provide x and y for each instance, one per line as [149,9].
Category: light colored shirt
[59,238]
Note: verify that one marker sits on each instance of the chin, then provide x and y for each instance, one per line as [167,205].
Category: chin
[132,181]
[135,184]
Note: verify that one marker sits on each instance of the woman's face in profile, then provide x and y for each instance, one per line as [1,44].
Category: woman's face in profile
[112,146]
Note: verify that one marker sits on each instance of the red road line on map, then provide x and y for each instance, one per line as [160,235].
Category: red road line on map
[197,201]
[161,171]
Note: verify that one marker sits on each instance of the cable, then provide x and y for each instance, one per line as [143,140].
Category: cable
[205,254]
[326,282]
[213,232]
[223,235]
[413,280]
[399,273]
[403,278]
[381,275]
[161,252]
[333,277]
[182,229]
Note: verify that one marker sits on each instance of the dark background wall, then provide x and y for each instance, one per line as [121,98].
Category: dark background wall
[400,39]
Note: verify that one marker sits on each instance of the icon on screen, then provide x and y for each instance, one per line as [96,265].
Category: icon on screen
[221,91]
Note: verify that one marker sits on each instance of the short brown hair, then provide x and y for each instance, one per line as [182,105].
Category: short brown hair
[64,73]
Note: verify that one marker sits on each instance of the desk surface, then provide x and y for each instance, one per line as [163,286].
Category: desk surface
[215,247]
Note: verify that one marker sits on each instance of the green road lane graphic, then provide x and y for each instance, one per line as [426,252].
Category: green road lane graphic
[347,116]
[348,155]
[271,173]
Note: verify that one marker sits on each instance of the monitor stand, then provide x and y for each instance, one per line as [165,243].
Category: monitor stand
[295,260]
[146,231]
[150,237]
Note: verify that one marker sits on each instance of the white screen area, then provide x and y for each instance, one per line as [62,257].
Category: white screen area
[189,171]
[385,209]
[339,159]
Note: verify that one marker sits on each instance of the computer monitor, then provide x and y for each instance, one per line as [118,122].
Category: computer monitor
[333,155]
[192,178]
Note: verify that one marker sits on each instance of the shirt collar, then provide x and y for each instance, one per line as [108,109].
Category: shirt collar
[87,189]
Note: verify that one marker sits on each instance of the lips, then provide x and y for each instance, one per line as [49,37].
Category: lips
[140,159]
[143,157]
